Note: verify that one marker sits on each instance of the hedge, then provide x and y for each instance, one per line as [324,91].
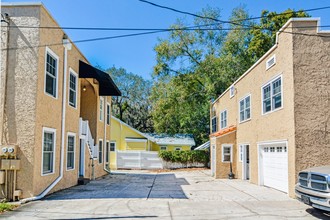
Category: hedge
[186,157]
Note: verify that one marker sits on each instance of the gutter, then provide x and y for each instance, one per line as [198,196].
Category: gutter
[67,46]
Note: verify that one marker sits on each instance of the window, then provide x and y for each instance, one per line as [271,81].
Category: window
[163,147]
[70,152]
[112,146]
[270,62]
[226,153]
[272,95]
[214,124]
[48,150]
[101,108]
[232,91]
[107,149]
[73,89]
[100,151]
[108,113]
[240,153]
[178,148]
[223,119]
[51,73]
[245,109]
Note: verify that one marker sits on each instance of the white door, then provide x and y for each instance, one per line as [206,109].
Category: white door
[213,161]
[274,166]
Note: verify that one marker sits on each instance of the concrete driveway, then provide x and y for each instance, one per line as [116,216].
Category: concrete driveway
[178,195]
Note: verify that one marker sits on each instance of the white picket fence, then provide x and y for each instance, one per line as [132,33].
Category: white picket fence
[145,160]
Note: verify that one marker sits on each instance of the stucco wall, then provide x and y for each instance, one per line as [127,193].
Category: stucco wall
[311,60]
[223,168]
[273,126]
[20,110]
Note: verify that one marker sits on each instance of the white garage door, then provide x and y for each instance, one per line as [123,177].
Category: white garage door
[274,166]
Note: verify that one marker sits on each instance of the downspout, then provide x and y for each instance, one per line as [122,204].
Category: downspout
[105,137]
[3,85]
[67,46]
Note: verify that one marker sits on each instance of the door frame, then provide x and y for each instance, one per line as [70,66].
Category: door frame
[213,159]
[244,161]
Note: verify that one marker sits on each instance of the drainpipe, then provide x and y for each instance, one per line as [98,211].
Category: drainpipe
[3,85]
[67,46]
[105,136]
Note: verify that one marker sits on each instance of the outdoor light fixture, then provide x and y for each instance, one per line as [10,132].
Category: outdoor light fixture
[84,88]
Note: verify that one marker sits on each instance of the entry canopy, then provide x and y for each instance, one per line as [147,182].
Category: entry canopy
[107,87]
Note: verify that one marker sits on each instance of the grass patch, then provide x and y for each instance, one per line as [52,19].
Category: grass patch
[6,207]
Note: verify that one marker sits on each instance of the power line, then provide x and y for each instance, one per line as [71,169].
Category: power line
[160,31]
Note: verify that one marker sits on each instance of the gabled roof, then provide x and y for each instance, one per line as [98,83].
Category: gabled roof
[163,139]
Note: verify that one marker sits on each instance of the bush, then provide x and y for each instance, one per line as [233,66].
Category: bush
[185,157]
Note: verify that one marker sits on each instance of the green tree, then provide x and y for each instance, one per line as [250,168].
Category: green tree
[264,34]
[134,106]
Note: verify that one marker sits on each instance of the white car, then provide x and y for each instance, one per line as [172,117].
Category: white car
[313,187]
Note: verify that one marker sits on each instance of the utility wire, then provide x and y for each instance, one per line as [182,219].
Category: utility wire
[153,32]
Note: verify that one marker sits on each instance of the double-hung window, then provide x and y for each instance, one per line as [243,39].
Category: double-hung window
[223,119]
[226,153]
[214,124]
[48,150]
[51,73]
[163,147]
[70,152]
[101,108]
[100,151]
[73,89]
[245,109]
[272,95]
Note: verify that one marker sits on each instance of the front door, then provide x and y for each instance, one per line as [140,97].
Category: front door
[246,162]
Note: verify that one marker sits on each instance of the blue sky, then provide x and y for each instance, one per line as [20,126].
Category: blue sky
[136,53]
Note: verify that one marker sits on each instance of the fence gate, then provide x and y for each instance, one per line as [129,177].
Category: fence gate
[145,160]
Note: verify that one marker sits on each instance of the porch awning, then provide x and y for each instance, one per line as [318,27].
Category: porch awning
[107,87]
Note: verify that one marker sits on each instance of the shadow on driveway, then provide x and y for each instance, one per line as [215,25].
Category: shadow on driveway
[126,185]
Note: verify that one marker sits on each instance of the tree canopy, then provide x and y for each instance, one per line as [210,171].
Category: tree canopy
[195,66]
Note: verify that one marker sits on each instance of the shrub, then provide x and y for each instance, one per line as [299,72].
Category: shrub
[185,157]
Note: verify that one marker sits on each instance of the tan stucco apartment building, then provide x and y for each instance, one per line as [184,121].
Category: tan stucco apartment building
[54,110]
[274,120]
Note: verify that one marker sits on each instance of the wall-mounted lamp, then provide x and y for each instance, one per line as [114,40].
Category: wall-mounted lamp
[84,88]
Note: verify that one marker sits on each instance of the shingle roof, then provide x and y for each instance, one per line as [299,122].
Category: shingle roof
[177,139]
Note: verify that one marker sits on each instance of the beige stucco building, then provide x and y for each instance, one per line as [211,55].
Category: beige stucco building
[55,107]
[274,120]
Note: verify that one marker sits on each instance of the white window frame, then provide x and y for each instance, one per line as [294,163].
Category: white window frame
[178,148]
[101,109]
[48,130]
[244,110]
[160,148]
[108,114]
[230,146]
[100,157]
[269,66]
[72,72]
[231,91]
[223,120]
[53,55]
[113,142]
[270,83]
[240,153]
[71,134]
